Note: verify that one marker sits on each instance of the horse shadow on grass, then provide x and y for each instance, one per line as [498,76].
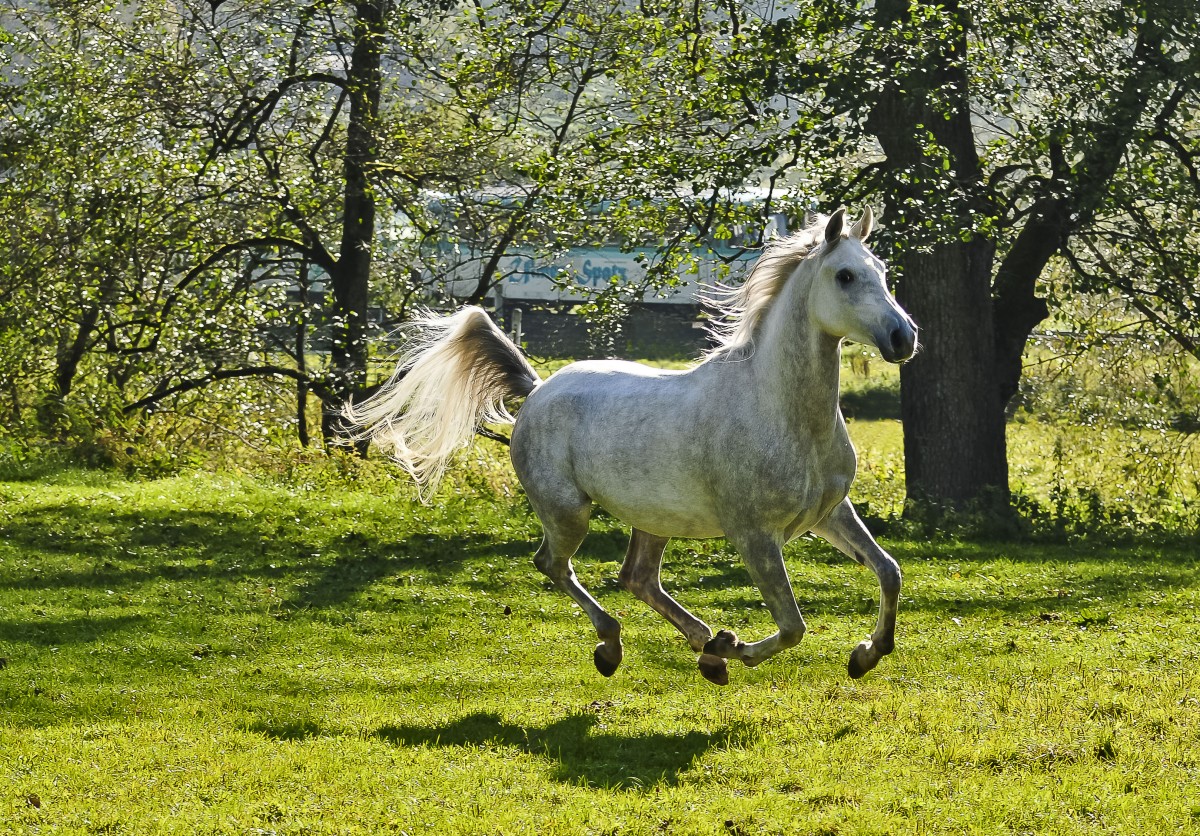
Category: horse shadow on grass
[363,562]
[583,749]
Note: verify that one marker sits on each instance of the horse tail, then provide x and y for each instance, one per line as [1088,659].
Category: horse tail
[453,378]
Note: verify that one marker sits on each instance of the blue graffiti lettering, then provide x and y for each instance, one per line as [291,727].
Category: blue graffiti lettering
[523,270]
[597,275]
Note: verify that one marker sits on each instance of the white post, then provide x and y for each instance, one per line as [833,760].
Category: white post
[517,335]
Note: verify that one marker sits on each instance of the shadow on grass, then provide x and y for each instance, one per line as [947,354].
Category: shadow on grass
[44,632]
[361,562]
[113,549]
[81,547]
[1063,578]
[289,730]
[103,548]
[875,402]
[364,562]
[584,751]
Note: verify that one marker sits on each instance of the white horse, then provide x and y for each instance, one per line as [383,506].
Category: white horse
[749,444]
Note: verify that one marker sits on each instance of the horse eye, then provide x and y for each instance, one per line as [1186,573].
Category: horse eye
[844,277]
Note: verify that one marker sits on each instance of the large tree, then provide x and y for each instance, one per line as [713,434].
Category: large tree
[171,171]
[999,136]
[103,218]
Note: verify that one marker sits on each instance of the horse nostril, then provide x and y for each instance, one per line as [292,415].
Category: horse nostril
[902,342]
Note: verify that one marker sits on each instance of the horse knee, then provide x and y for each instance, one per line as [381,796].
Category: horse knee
[635,581]
[627,579]
[544,561]
[558,571]
[553,558]
[887,570]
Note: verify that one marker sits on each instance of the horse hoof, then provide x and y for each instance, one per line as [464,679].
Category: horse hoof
[724,644]
[860,661]
[603,664]
[714,669]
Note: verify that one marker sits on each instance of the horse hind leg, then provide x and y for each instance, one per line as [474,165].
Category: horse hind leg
[641,574]
[564,531]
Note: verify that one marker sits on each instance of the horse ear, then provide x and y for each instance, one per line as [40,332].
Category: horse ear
[863,226]
[833,229]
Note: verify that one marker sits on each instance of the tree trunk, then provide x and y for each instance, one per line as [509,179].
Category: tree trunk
[974,331]
[301,348]
[71,354]
[955,449]
[1016,307]
[350,282]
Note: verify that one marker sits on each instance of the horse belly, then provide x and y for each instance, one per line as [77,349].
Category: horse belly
[651,481]
[620,441]
[663,514]
[642,467]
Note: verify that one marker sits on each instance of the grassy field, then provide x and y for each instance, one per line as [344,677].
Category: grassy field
[309,651]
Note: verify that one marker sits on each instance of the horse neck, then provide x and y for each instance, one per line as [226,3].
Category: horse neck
[800,365]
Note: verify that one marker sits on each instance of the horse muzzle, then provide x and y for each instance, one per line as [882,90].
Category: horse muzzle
[897,342]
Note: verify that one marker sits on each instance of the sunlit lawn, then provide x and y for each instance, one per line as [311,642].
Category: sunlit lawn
[311,652]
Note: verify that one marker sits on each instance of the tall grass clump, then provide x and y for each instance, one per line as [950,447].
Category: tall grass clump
[1103,442]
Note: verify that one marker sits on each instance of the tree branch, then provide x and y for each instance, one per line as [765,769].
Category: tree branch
[319,389]
[1133,298]
[251,114]
[314,255]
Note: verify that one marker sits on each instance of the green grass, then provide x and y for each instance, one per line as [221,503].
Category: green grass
[312,652]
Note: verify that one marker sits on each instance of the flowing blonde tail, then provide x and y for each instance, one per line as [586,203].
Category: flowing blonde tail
[453,378]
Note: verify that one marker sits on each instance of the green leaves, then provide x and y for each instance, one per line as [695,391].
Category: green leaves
[168,170]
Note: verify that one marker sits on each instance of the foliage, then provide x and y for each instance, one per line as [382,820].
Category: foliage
[103,303]
[210,192]
[1001,139]
[204,202]
[1100,443]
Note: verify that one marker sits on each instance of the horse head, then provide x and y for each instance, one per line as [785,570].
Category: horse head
[849,297]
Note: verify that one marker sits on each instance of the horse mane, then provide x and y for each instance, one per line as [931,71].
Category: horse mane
[740,309]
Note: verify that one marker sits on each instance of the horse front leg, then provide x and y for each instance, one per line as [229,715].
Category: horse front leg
[763,556]
[846,532]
